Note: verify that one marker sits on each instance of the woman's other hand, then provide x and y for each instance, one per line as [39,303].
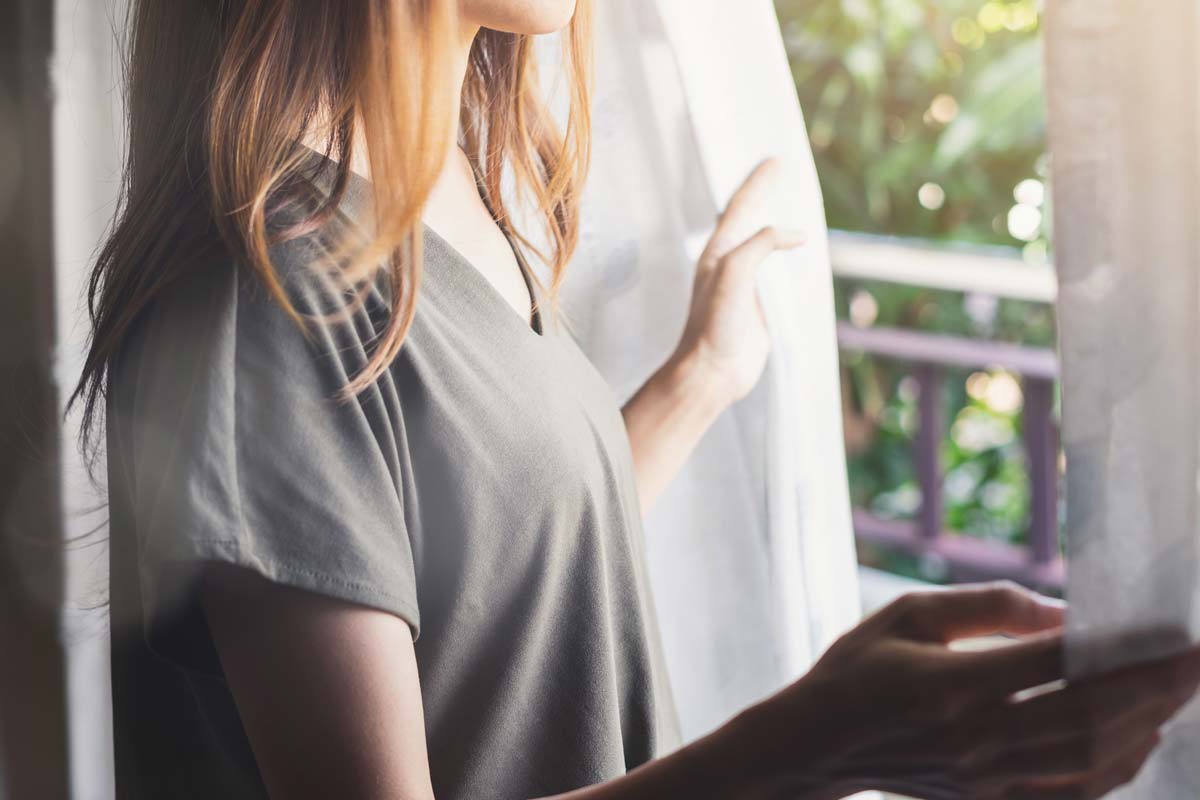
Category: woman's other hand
[726,339]
[724,346]
[891,706]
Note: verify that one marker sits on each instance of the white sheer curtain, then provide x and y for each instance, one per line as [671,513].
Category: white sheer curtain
[750,549]
[1125,119]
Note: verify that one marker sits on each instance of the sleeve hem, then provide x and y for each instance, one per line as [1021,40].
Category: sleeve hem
[176,572]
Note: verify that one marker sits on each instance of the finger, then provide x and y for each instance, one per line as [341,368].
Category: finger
[1087,787]
[1172,680]
[1140,645]
[998,608]
[1004,671]
[983,610]
[736,221]
[741,261]
[1085,751]
[1160,688]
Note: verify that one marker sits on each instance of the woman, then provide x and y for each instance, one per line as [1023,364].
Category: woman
[375,521]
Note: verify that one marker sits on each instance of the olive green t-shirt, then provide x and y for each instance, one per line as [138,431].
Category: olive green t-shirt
[482,491]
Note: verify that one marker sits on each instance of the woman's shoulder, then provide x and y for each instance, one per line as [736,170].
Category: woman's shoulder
[299,284]
[218,331]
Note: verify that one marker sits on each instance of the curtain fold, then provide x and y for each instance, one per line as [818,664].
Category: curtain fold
[750,549]
[1124,134]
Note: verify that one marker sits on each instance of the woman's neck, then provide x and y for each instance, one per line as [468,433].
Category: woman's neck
[462,57]
[360,161]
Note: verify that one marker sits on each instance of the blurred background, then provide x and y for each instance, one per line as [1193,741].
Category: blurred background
[928,125]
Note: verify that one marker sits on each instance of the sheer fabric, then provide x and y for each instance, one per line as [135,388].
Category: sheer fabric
[751,550]
[1125,118]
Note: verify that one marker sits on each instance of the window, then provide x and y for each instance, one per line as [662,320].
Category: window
[927,123]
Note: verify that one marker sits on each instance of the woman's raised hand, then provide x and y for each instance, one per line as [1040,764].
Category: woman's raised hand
[892,707]
[726,333]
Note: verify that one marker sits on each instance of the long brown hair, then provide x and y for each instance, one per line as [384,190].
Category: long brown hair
[221,95]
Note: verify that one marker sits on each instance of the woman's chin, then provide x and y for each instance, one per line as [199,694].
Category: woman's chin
[530,17]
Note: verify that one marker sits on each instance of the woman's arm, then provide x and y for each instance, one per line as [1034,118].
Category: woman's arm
[327,691]
[666,419]
[724,346]
[330,697]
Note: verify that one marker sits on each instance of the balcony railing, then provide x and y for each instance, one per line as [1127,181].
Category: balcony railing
[1037,564]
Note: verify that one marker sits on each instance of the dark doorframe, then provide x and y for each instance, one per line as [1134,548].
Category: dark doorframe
[33,720]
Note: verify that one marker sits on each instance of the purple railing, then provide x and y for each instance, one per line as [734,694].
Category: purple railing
[966,558]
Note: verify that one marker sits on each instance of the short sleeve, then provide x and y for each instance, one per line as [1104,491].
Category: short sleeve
[237,448]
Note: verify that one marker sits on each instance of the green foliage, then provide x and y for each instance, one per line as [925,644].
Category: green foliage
[904,93]
[927,120]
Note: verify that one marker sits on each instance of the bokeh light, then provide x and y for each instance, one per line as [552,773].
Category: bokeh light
[931,196]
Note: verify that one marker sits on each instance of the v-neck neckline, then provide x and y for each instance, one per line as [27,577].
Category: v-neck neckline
[535,324]
[360,195]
